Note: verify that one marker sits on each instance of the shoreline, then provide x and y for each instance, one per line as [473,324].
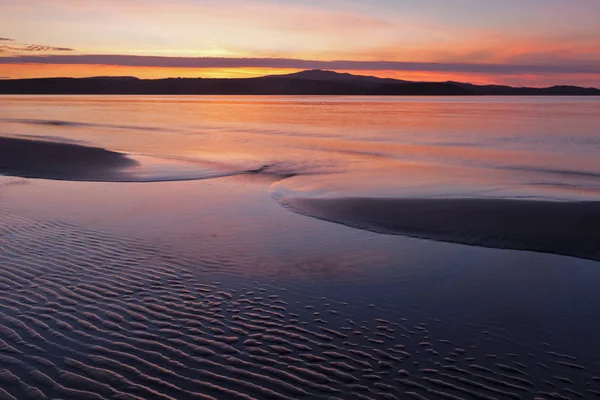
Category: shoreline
[563,228]
[213,311]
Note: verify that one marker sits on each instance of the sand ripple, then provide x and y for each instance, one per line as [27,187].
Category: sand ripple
[85,315]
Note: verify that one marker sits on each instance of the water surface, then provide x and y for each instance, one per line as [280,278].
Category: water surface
[409,146]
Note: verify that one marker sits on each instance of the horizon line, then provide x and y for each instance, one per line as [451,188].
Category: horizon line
[286,74]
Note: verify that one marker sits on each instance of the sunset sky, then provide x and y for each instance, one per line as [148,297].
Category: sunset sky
[516,42]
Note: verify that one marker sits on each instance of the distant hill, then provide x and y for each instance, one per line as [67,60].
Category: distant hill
[499,90]
[311,82]
[323,75]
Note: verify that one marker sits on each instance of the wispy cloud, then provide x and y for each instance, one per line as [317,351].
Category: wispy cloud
[3,39]
[37,47]
[575,67]
[16,49]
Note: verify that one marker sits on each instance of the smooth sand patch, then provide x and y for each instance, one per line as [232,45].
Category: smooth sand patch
[65,161]
[567,228]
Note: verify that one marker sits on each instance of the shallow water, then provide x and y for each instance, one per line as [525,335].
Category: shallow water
[409,146]
[211,288]
[487,148]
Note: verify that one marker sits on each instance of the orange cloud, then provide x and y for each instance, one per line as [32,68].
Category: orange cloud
[18,71]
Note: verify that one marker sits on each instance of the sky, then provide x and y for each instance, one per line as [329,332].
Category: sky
[515,42]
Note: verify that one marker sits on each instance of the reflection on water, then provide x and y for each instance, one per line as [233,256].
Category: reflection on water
[505,147]
[492,149]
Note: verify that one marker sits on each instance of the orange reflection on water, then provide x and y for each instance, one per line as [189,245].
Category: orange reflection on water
[481,139]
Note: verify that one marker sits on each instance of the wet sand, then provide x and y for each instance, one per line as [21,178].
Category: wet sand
[567,228]
[88,313]
[55,160]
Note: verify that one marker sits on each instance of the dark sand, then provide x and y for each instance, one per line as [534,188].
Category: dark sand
[88,315]
[63,161]
[567,228]
[87,312]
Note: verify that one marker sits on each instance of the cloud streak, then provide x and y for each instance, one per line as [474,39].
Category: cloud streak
[581,67]
[37,47]
[29,48]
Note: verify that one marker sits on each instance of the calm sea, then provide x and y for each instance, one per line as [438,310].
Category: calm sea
[340,146]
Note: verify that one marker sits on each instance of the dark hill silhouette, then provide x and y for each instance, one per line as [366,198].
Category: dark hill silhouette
[324,75]
[312,82]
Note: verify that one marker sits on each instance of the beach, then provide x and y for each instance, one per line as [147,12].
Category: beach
[295,247]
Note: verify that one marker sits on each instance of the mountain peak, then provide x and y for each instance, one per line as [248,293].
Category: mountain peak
[327,75]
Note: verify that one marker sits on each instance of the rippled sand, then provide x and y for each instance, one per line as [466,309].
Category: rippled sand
[88,314]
